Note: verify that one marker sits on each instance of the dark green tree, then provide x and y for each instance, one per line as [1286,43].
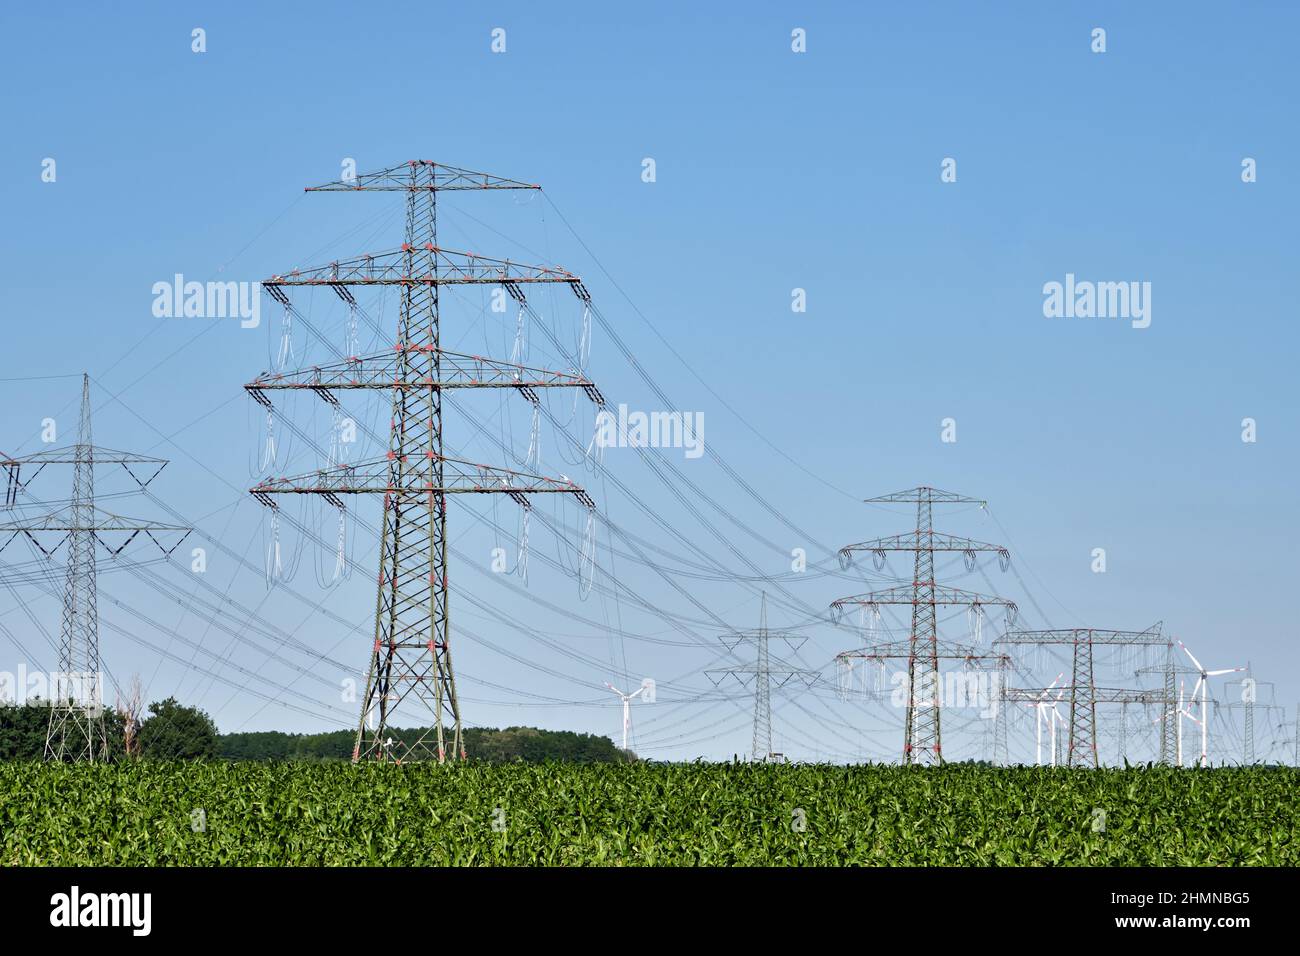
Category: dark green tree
[23,728]
[173,731]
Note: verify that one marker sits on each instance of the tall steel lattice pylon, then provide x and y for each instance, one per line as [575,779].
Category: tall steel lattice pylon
[921,739]
[411,655]
[1169,718]
[763,674]
[76,731]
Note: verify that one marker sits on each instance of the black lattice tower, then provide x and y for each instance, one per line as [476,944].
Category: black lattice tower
[763,674]
[410,658]
[76,731]
[1085,695]
[921,734]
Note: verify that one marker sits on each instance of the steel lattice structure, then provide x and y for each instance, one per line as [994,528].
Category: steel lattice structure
[76,729]
[1169,717]
[411,654]
[763,674]
[1248,701]
[921,734]
[1085,695]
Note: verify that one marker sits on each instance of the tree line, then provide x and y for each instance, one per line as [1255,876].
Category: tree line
[172,731]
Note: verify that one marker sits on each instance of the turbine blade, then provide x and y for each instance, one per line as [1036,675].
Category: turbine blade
[1191,655]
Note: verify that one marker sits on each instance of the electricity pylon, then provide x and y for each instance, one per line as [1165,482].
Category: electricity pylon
[1248,701]
[411,654]
[763,674]
[1171,716]
[76,729]
[1085,695]
[921,740]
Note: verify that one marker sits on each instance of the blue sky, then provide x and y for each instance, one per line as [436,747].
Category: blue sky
[775,171]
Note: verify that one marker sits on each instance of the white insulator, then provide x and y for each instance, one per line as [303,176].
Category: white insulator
[286,339]
[352,343]
[521,566]
[587,557]
[268,453]
[340,556]
[274,566]
[520,349]
[534,456]
[584,343]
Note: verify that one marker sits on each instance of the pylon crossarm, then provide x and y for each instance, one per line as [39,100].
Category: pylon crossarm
[434,266]
[383,371]
[459,477]
[67,521]
[944,650]
[67,455]
[64,520]
[908,595]
[917,541]
[1103,695]
[736,638]
[1093,635]
[911,541]
[398,179]
[90,454]
[927,495]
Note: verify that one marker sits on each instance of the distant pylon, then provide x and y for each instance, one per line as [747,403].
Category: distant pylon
[1085,695]
[1172,715]
[1169,725]
[763,674]
[76,730]
[1248,701]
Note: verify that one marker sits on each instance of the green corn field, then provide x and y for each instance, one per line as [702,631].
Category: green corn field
[297,814]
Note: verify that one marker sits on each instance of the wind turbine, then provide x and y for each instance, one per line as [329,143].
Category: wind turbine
[1203,685]
[627,707]
[1056,719]
[1040,708]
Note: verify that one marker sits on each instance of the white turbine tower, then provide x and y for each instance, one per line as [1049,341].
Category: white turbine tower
[1057,720]
[627,707]
[1203,685]
[1041,714]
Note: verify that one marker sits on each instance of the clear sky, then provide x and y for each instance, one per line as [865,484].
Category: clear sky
[774,171]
